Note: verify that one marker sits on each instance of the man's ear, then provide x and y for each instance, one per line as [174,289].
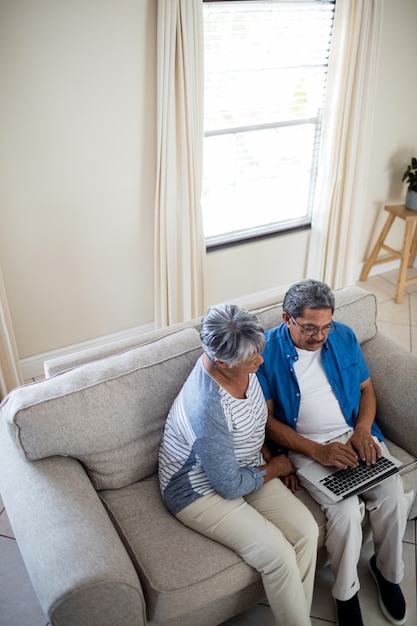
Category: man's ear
[286,317]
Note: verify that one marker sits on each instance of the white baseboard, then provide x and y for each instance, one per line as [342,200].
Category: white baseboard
[32,366]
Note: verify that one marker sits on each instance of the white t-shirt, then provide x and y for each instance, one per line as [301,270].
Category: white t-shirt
[320,417]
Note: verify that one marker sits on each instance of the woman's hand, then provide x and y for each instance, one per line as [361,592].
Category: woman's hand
[291,481]
[281,467]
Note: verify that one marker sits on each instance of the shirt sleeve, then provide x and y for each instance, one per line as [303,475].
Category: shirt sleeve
[214,448]
[217,458]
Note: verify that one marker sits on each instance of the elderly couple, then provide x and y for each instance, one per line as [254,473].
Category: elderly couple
[306,384]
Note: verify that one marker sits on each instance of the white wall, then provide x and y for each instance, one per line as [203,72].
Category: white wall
[394,138]
[77,169]
[257,266]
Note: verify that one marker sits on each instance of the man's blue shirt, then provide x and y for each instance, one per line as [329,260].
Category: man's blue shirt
[343,362]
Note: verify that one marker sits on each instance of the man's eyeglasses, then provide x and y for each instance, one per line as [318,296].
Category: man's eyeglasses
[309,331]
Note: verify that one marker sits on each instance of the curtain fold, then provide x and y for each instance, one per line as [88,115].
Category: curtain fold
[10,373]
[344,161]
[179,234]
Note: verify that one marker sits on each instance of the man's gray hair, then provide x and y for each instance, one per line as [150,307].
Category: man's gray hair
[308,294]
[231,334]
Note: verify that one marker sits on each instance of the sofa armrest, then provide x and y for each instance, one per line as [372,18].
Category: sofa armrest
[394,375]
[77,563]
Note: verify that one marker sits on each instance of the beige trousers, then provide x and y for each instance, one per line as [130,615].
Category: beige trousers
[274,533]
[388,508]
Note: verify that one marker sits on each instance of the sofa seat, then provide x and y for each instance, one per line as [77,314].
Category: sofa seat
[177,567]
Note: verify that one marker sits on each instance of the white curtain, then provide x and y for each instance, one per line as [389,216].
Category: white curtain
[179,235]
[339,205]
[10,373]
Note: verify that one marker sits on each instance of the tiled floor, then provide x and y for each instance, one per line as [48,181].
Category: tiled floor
[18,603]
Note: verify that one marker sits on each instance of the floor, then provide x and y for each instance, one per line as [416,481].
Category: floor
[18,603]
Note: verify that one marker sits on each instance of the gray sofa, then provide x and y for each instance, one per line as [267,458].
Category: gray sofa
[78,462]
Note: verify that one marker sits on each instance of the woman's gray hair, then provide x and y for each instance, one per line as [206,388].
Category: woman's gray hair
[308,294]
[230,334]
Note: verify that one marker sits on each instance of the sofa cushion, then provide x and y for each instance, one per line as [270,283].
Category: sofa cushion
[356,308]
[181,571]
[108,414]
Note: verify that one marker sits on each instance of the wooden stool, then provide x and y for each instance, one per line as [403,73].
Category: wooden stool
[407,253]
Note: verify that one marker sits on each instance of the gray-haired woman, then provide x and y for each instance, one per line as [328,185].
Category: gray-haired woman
[213,475]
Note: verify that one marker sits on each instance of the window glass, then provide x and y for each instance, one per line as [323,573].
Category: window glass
[265,77]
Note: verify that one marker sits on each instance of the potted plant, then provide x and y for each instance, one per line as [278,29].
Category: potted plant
[410,175]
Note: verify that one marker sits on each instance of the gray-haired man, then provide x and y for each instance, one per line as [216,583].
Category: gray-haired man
[322,406]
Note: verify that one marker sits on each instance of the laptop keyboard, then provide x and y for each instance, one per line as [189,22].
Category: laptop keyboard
[345,481]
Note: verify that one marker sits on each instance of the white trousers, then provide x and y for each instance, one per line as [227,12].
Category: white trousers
[274,533]
[388,508]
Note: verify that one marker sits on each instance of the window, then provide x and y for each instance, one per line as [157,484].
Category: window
[265,78]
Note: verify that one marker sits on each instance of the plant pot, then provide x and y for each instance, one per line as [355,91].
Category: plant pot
[411,200]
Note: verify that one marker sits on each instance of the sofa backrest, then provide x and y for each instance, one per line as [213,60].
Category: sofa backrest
[108,414]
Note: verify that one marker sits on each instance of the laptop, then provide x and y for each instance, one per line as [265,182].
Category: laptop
[338,484]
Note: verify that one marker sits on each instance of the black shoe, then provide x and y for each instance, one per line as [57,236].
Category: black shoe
[391,599]
[348,612]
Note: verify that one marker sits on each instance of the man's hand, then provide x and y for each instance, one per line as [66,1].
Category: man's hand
[367,448]
[338,454]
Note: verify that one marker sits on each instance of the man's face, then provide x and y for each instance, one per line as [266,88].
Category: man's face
[317,320]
